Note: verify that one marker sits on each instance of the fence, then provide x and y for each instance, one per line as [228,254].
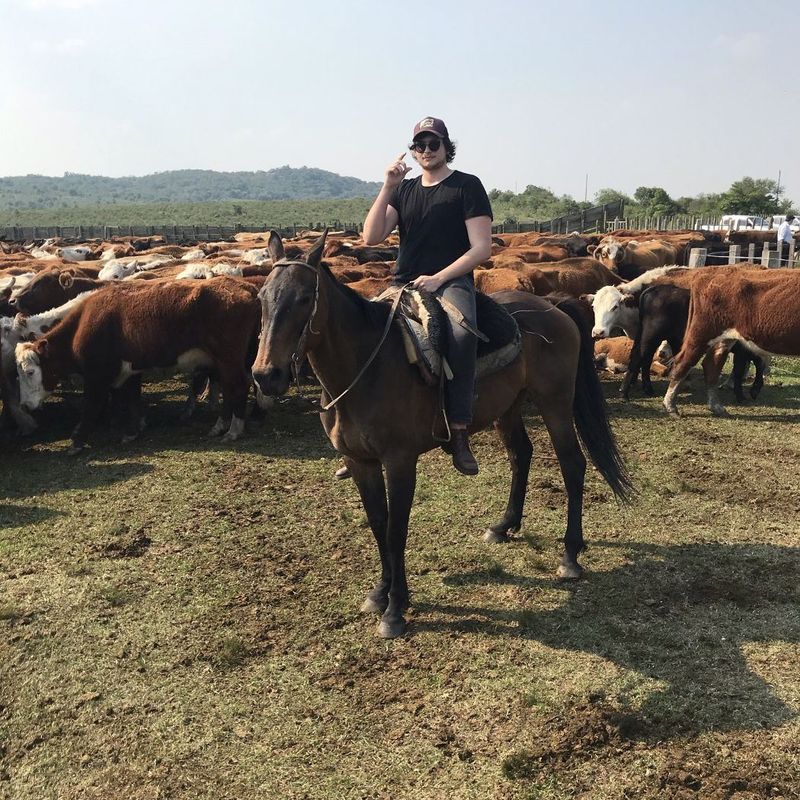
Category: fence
[172,233]
[610,217]
[590,220]
[735,254]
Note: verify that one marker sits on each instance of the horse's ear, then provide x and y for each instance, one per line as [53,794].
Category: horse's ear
[275,247]
[314,255]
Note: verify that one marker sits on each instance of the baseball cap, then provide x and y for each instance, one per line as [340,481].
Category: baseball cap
[430,125]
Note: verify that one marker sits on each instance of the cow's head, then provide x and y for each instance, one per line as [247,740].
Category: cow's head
[32,389]
[614,309]
[610,254]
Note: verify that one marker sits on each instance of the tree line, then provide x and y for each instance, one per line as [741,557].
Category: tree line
[756,196]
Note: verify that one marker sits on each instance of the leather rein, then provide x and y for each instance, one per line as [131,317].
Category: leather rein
[299,354]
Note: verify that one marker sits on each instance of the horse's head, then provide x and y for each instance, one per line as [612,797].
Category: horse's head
[292,315]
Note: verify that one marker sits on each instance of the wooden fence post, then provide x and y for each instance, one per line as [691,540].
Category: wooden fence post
[790,262]
[734,253]
[697,257]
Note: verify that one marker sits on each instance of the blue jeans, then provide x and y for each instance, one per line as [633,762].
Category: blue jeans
[462,351]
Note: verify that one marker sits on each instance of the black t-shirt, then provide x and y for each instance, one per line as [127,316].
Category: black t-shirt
[433,233]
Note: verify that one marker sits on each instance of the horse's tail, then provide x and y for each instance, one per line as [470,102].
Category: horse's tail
[591,414]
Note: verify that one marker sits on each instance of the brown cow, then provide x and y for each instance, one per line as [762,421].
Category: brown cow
[631,259]
[50,289]
[489,281]
[123,329]
[370,287]
[614,355]
[575,276]
[758,307]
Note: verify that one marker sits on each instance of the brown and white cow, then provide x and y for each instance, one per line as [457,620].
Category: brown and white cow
[122,330]
[760,308]
[632,258]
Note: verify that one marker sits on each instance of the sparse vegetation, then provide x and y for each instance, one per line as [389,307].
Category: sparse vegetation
[238,666]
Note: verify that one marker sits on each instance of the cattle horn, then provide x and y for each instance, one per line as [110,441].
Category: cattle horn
[275,247]
[314,255]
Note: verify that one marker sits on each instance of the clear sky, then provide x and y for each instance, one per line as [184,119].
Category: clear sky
[687,94]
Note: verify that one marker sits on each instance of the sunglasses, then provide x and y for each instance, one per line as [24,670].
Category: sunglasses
[432,144]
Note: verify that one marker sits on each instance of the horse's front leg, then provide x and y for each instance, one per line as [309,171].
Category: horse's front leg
[368,477]
[401,478]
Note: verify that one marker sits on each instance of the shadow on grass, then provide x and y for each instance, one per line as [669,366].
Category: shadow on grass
[39,473]
[679,615]
[772,396]
[14,516]
[285,431]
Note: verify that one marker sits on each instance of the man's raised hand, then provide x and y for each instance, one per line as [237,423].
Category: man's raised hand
[396,171]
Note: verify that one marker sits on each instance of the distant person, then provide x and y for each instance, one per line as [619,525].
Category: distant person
[445,221]
[785,238]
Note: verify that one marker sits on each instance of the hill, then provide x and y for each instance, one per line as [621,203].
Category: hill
[180,186]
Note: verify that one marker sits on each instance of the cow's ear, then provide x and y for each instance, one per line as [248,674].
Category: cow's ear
[620,254]
[629,300]
[275,247]
[591,248]
[20,320]
[41,346]
[589,298]
[66,279]
[315,253]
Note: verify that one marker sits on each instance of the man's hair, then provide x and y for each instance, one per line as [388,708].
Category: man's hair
[449,148]
[789,217]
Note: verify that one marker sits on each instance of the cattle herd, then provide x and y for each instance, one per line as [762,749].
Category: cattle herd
[115,312]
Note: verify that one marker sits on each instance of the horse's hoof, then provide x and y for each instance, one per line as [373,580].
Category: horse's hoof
[372,606]
[719,411]
[391,629]
[496,537]
[342,473]
[569,572]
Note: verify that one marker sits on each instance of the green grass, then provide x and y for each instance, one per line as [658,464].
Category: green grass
[179,618]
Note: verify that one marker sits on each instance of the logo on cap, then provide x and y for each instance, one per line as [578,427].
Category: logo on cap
[426,123]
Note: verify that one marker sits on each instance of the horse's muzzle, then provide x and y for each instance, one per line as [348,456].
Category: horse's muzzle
[273,381]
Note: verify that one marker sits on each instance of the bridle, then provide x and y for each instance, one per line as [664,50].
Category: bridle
[299,354]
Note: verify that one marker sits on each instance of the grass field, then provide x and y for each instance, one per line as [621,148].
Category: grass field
[179,618]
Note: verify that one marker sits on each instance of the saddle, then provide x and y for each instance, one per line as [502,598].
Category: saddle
[423,318]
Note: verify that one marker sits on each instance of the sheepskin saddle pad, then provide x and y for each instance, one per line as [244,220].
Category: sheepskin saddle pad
[423,318]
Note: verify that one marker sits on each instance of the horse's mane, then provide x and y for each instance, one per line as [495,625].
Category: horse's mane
[374,313]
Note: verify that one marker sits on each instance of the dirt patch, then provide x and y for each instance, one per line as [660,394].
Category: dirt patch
[574,733]
[124,543]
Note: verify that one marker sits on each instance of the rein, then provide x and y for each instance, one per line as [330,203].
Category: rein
[299,353]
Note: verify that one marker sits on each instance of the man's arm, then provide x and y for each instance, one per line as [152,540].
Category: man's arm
[382,217]
[479,230]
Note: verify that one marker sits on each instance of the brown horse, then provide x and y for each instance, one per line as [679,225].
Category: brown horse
[385,421]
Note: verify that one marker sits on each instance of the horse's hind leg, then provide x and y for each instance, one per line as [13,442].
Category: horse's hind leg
[368,477]
[515,438]
[560,425]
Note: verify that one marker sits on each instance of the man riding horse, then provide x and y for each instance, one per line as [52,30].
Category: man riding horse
[445,222]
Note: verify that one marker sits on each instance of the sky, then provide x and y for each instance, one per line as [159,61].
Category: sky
[686,95]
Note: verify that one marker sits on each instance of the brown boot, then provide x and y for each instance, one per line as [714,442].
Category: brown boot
[463,460]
